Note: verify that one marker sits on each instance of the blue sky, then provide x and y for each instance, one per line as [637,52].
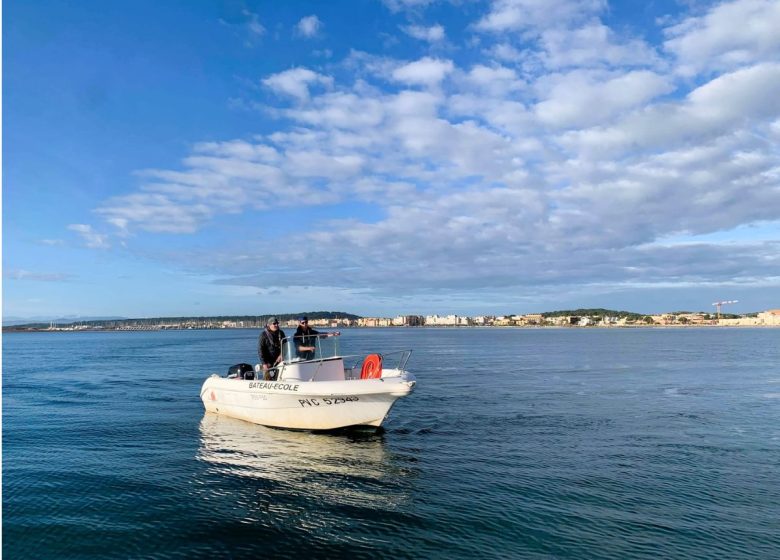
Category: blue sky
[404,156]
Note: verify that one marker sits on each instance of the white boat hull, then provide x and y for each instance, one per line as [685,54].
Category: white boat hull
[307,405]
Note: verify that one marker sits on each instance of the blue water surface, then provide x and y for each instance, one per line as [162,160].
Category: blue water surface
[517,443]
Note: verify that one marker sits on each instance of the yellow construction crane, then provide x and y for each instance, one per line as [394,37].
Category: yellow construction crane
[718,305]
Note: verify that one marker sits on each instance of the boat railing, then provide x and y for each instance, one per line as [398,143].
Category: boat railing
[324,347]
[398,357]
[390,360]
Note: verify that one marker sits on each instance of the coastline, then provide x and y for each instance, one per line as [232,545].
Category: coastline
[12,329]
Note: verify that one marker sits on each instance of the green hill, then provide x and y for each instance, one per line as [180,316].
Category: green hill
[595,313]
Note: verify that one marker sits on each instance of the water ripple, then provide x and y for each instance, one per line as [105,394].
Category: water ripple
[614,445]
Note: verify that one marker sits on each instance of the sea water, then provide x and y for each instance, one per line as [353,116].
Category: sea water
[517,443]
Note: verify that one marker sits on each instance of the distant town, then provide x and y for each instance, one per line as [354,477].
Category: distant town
[579,318]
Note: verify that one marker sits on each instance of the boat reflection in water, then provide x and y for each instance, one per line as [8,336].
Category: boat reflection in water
[338,469]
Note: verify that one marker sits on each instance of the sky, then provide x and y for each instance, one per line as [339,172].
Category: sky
[393,157]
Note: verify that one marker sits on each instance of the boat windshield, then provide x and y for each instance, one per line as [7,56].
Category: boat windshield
[311,347]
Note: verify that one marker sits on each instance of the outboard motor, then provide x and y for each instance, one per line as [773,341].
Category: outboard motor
[242,371]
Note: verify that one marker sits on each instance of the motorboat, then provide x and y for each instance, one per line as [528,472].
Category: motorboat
[313,390]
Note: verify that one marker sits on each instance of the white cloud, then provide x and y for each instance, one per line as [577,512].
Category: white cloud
[93,239]
[519,15]
[296,82]
[366,66]
[497,81]
[239,149]
[21,274]
[505,52]
[253,23]
[593,44]
[581,99]
[741,98]
[309,26]
[341,110]
[155,212]
[432,34]
[701,189]
[403,5]
[730,35]
[312,163]
[426,71]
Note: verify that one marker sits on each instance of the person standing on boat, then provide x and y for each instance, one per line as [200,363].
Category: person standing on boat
[269,346]
[305,339]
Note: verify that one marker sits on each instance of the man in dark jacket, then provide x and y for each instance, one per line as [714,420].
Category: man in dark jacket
[305,339]
[269,346]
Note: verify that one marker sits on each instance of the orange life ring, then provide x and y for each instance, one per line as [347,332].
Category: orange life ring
[372,367]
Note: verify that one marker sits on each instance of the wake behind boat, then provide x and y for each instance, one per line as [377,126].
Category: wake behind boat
[324,392]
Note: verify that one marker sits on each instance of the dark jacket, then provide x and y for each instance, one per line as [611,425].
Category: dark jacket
[269,345]
[307,337]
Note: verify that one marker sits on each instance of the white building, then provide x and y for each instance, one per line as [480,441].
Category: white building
[407,321]
[438,321]
[771,317]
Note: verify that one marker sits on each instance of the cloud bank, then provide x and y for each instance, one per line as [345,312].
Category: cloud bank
[558,154]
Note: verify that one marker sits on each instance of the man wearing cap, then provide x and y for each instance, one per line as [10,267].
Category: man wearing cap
[305,339]
[269,346]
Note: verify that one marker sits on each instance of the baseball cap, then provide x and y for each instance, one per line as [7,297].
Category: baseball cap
[272,321]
